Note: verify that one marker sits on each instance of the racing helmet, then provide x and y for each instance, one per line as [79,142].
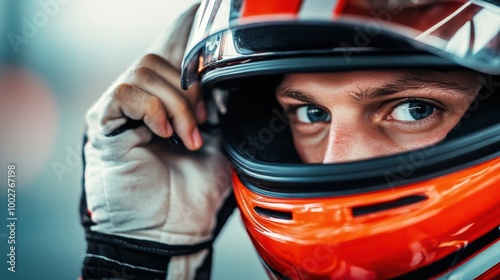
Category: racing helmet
[426,213]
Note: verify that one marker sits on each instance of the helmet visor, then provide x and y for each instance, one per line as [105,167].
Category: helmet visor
[465,32]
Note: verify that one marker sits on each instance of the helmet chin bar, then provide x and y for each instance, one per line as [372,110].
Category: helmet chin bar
[385,243]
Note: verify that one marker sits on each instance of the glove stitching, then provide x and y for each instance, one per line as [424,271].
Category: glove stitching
[123,264]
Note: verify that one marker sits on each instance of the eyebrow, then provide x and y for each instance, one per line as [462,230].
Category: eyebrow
[410,82]
[297,95]
[406,82]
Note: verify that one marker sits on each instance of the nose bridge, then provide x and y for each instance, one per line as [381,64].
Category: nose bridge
[349,139]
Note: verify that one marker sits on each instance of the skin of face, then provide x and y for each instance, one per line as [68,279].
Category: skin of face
[348,116]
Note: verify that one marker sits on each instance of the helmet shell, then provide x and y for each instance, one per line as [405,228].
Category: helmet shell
[422,214]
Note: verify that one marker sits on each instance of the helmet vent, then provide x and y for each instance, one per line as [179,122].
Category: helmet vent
[271,213]
[404,201]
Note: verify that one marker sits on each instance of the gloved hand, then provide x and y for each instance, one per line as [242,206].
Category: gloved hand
[138,183]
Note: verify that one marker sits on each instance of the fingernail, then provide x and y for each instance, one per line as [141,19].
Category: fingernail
[168,129]
[196,138]
[201,112]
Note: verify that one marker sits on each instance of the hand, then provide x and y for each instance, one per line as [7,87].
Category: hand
[151,93]
[140,185]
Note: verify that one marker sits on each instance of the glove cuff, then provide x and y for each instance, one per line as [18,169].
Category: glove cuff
[115,257]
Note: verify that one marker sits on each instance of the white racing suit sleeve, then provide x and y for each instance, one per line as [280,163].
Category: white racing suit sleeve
[150,208]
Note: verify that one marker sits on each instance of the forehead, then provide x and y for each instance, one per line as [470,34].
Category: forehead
[377,78]
[340,79]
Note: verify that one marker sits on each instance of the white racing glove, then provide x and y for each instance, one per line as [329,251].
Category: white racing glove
[140,185]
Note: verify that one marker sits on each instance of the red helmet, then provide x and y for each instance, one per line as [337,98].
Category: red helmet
[432,212]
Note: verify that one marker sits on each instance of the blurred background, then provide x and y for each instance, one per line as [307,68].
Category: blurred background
[54,63]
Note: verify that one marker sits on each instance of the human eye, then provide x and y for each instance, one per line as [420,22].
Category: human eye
[411,111]
[311,114]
